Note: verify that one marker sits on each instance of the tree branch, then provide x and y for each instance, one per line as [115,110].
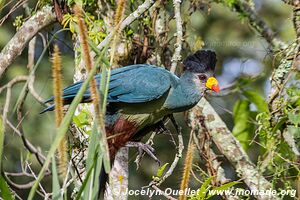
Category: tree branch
[16,45]
[118,177]
[230,147]
[179,33]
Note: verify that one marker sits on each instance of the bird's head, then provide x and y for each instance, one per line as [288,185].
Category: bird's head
[202,65]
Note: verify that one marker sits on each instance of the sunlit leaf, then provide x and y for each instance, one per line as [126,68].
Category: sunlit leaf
[201,192]
[295,131]
[5,192]
[161,170]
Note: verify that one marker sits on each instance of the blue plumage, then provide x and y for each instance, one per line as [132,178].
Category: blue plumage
[130,84]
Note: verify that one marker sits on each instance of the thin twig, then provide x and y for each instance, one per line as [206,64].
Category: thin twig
[13,81]
[30,147]
[178,155]
[40,185]
[8,88]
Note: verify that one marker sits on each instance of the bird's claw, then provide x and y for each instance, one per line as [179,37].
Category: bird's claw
[144,148]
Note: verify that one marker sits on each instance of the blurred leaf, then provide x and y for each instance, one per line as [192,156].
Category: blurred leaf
[295,131]
[82,119]
[2,2]
[279,124]
[1,140]
[241,129]
[198,44]
[55,181]
[244,80]
[294,118]
[230,3]
[128,31]
[258,100]
[5,192]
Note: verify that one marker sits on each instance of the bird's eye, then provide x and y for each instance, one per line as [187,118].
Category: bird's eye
[202,77]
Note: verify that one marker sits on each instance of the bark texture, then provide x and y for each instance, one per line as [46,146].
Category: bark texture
[230,147]
[27,31]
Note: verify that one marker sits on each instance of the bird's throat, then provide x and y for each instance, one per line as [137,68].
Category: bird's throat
[186,94]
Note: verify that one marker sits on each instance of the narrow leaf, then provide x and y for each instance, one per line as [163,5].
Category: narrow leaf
[55,181]
[93,151]
[201,193]
[1,140]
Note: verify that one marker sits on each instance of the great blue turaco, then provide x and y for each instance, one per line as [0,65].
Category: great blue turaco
[140,96]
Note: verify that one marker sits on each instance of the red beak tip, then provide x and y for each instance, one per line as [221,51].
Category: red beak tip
[216,88]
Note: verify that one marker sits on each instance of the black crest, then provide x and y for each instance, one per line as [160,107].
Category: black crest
[201,61]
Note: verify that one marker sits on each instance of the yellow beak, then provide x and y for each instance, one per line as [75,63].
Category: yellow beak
[212,84]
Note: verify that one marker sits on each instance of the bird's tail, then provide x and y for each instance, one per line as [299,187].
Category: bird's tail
[50,108]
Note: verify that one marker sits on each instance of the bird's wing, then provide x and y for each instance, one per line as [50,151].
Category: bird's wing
[142,84]
[131,84]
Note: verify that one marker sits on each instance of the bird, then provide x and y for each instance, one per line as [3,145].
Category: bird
[140,96]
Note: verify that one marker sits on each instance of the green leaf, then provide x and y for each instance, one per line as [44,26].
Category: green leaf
[295,131]
[223,187]
[91,190]
[161,170]
[230,3]
[82,119]
[5,192]
[242,128]
[294,118]
[257,100]
[201,192]
[1,140]
[55,182]
[280,124]
[2,2]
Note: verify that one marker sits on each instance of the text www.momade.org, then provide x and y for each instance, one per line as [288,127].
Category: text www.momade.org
[242,192]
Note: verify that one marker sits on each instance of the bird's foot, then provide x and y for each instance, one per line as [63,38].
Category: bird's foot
[144,148]
[161,128]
